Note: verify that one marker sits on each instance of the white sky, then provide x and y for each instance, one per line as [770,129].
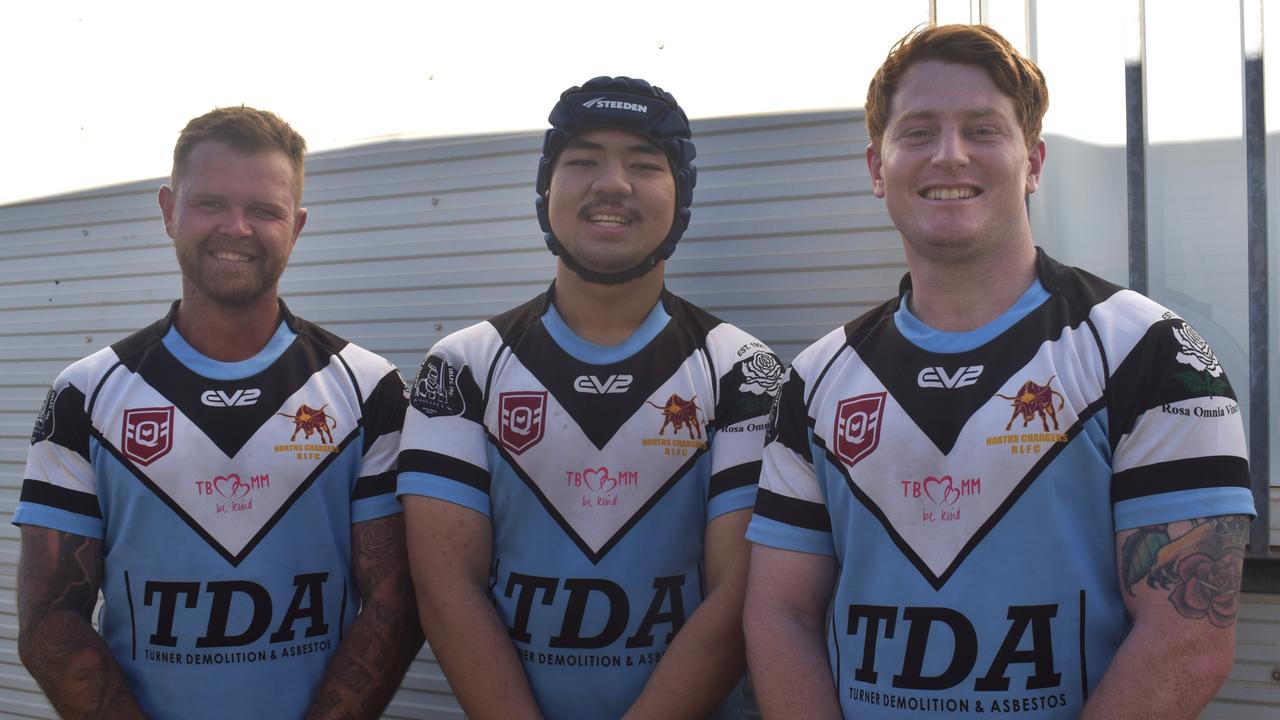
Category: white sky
[96,92]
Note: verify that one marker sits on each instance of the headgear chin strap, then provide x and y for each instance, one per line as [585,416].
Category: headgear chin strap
[633,105]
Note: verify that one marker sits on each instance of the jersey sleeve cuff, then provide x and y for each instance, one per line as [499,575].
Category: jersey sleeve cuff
[435,486]
[372,508]
[55,519]
[1183,505]
[736,499]
[764,531]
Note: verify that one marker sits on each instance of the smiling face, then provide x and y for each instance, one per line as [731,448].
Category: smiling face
[234,219]
[953,165]
[612,199]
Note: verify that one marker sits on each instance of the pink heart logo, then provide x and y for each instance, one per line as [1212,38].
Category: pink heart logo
[599,480]
[231,486]
[941,490]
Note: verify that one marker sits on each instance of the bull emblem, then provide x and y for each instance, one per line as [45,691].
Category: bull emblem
[680,414]
[310,420]
[1035,400]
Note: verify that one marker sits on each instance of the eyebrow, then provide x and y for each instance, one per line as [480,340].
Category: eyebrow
[647,148]
[931,114]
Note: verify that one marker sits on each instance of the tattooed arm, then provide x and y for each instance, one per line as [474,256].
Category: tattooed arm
[1181,583]
[58,579]
[366,671]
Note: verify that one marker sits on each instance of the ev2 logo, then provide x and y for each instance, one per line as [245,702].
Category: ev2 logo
[937,377]
[592,385]
[237,398]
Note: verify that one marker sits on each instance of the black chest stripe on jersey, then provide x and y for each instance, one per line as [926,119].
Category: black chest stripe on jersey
[233,559]
[898,365]
[937,581]
[229,425]
[644,509]
[599,414]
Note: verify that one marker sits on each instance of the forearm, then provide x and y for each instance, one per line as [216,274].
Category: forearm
[1154,675]
[76,670]
[364,674]
[789,668]
[58,579]
[477,655]
[703,663]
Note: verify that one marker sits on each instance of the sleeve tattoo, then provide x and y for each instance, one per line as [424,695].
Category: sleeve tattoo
[373,657]
[59,575]
[1198,562]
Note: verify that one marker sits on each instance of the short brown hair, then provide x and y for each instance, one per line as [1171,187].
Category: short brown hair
[245,129]
[979,45]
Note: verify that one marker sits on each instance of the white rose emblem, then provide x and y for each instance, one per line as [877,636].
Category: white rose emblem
[763,374]
[1195,351]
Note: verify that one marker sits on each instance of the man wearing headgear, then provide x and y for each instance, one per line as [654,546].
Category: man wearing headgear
[577,472]
[1013,488]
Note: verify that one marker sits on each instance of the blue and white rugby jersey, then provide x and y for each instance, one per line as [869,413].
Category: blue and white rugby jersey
[599,468]
[223,494]
[970,486]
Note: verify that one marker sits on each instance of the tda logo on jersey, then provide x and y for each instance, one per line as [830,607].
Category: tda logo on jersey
[312,421]
[857,429]
[435,393]
[147,434]
[523,415]
[1034,400]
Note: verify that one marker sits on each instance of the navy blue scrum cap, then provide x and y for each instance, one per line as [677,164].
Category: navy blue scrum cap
[633,105]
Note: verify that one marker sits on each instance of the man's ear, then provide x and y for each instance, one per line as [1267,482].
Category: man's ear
[1035,164]
[874,165]
[300,220]
[167,199]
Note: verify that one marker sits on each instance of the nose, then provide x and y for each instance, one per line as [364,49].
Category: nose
[235,223]
[952,149]
[612,179]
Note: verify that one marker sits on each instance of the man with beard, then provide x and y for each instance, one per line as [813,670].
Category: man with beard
[1014,487]
[577,472]
[224,476]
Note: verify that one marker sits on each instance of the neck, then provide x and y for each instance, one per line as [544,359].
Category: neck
[606,314]
[959,296]
[226,334]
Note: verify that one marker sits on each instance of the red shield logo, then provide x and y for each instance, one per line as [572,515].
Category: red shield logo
[522,415]
[857,431]
[148,434]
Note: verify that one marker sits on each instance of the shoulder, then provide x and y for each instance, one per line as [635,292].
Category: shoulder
[367,368]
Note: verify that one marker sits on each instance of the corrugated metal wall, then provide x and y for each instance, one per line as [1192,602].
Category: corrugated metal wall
[409,241]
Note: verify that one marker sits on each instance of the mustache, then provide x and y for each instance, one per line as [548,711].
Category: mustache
[612,205]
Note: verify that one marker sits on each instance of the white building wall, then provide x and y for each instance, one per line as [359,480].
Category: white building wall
[409,241]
